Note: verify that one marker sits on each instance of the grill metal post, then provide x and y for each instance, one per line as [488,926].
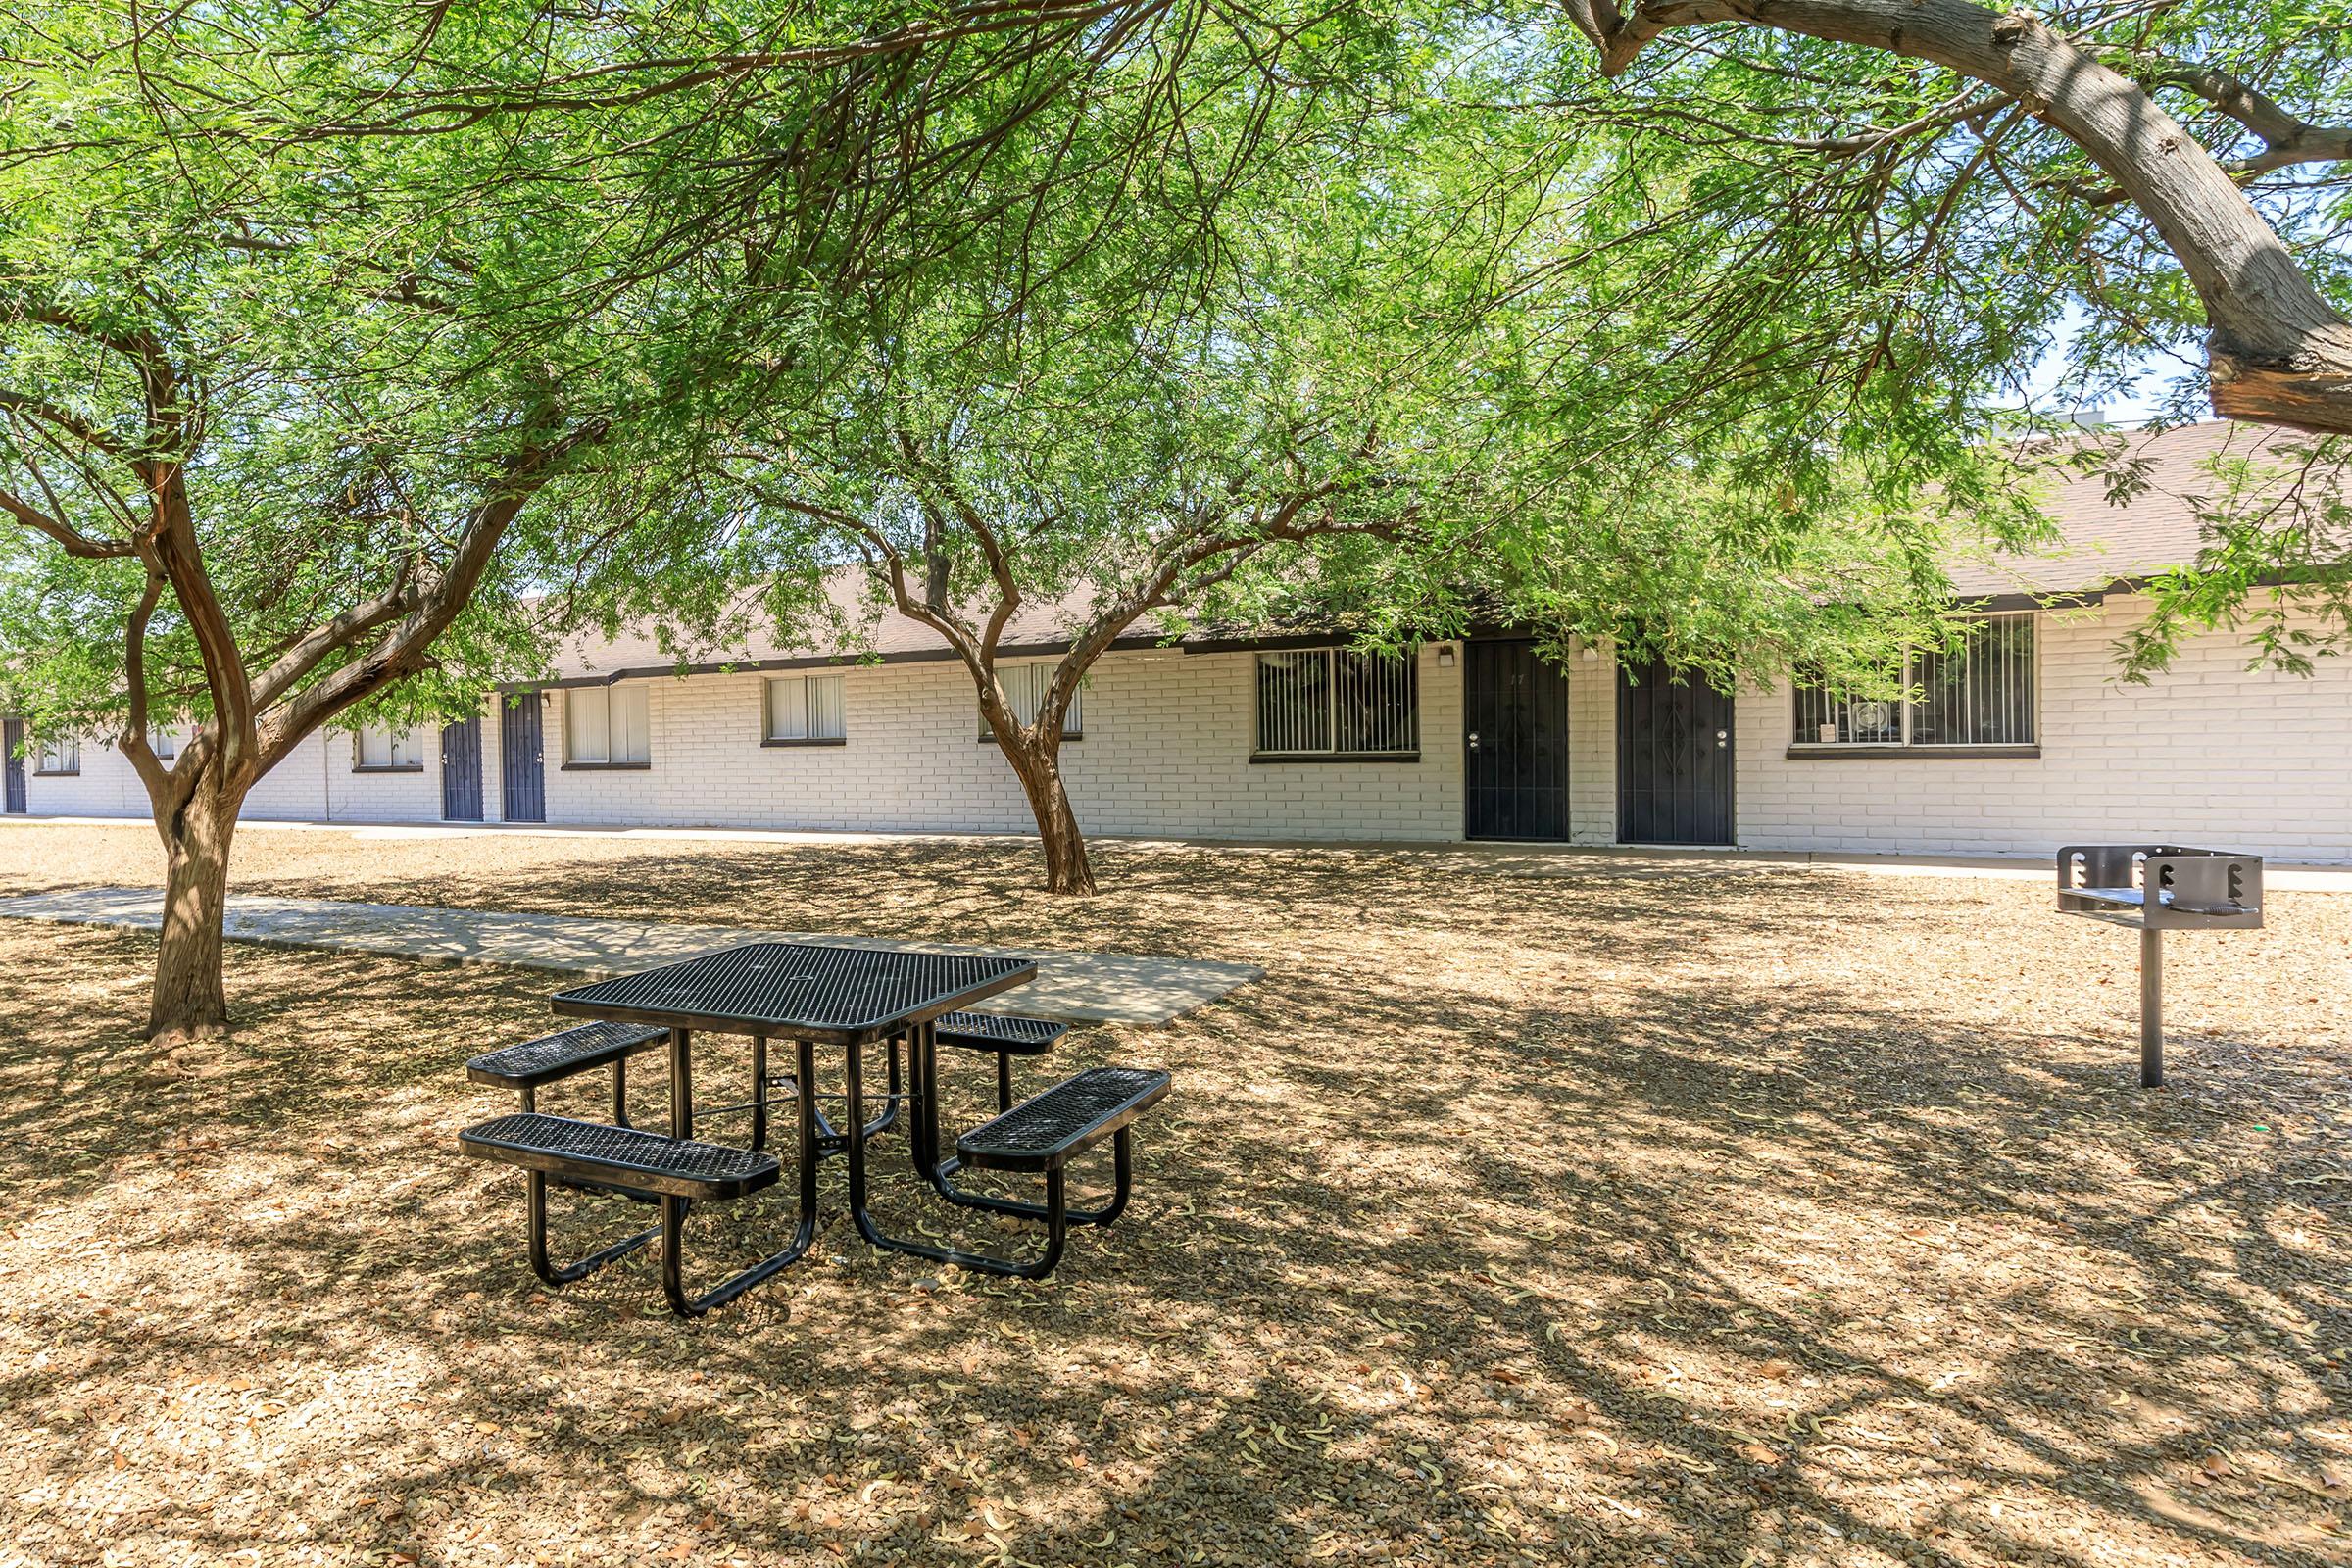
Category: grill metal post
[2151,1007]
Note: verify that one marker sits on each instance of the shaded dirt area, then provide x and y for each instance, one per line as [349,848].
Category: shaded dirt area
[1710,1217]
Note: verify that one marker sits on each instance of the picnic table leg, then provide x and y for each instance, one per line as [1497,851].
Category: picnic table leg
[806,1062]
[546,1267]
[833,1140]
[681,1084]
[922,1067]
[922,1098]
[758,1091]
[1054,1211]
[674,1212]
[854,1082]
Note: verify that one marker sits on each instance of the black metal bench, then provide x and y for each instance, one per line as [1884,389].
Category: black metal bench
[1040,1135]
[1003,1036]
[549,1058]
[677,1171]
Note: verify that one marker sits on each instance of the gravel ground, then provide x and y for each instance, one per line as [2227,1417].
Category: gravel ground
[1709,1216]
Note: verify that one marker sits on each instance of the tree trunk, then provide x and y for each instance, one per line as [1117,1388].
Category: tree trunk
[1067,868]
[190,1001]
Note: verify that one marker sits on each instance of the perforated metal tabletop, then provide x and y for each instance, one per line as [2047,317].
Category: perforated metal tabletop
[802,991]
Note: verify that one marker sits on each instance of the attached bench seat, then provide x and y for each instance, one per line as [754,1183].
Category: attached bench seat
[1002,1036]
[1000,1032]
[1042,1133]
[619,1156]
[1039,1136]
[673,1171]
[564,1055]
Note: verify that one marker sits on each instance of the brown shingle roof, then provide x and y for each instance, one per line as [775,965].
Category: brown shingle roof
[638,650]
[2101,541]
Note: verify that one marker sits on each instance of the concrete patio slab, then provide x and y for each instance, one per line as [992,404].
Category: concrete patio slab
[1073,986]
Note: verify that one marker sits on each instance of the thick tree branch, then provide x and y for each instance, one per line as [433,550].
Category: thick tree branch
[179,554]
[134,742]
[407,645]
[71,540]
[2279,352]
[67,423]
[2286,139]
[307,651]
[992,548]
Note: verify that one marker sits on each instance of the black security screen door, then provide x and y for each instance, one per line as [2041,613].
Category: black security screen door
[1515,723]
[11,735]
[462,771]
[1674,760]
[522,788]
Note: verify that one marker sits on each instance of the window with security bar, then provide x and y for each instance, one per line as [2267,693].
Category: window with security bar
[1338,702]
[1979,693]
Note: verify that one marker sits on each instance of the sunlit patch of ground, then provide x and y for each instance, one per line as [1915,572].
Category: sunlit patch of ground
[1786,1217]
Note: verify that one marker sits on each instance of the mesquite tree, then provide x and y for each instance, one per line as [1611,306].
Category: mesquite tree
[1085,498]
[1358,382]
[332,337]
[215,456]
[1066,439]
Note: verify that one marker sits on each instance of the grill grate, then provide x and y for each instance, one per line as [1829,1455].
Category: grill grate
[790,985]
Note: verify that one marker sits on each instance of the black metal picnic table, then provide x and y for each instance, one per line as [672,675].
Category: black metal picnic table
[813,993]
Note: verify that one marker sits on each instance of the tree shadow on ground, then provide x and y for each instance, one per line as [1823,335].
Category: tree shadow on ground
[1548,1229]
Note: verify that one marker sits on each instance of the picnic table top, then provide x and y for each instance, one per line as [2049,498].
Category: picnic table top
[803,991]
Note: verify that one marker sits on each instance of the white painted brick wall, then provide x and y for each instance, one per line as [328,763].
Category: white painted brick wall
[315,782]
[1592,747]
[1166,751]
[2211,754]
[107,786]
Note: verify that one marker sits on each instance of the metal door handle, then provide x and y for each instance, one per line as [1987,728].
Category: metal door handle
[1474,740]
[1723,738]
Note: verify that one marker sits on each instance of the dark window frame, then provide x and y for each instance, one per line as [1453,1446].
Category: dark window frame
[1408,666]
[2022,699]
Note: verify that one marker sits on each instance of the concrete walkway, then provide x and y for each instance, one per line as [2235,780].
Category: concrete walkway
[1074,987]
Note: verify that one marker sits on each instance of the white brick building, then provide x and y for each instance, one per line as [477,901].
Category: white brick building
[2032,744]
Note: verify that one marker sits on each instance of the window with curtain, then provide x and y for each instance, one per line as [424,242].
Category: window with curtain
[1025,687]
[1978,694]
[1338,702]
[383,749]
[606,726]
[61,756]
[807,711]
